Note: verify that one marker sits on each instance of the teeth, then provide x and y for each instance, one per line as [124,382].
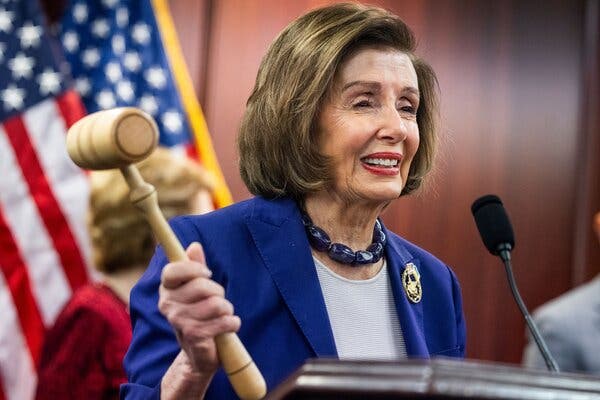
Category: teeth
[385,162]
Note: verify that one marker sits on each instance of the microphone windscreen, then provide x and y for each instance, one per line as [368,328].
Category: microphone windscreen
[492,222]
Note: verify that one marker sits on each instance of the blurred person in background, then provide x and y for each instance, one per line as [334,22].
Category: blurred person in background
[83,352]
[570,325]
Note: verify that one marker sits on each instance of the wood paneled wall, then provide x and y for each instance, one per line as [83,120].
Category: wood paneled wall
[519,114]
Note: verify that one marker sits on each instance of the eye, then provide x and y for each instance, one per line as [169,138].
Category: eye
[407,106]
[363,103]
[409,109]
[366,99]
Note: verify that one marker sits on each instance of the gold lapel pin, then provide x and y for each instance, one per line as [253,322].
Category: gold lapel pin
[411,280]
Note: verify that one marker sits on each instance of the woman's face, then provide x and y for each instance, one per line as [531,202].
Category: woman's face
[368,125]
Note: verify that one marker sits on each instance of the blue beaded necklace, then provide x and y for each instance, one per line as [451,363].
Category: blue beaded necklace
[320,241]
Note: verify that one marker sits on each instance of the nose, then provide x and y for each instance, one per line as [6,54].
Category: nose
[394,128]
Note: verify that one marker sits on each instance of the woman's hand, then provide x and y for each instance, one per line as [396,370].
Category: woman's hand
[196,308]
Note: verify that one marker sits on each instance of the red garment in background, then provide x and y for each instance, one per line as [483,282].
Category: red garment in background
[82,357]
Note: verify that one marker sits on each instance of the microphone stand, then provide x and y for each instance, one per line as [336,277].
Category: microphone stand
[504,253]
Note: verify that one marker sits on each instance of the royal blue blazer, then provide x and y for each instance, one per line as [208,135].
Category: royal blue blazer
[258,251]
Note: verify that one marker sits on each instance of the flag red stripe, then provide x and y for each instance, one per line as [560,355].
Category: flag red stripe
[192,152]
[56,224]
[72,110]
[71,107]
[15,273]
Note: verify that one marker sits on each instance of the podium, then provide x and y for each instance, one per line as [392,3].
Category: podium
[325,379]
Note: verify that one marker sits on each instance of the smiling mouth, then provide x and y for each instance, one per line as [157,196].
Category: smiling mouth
[381,162]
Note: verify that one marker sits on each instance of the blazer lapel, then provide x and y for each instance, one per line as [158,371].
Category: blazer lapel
[409,314]
[279,235]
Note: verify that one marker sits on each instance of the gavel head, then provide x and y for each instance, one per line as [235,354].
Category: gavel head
[112,138]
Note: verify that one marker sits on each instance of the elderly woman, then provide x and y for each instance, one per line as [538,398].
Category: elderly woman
[340,123]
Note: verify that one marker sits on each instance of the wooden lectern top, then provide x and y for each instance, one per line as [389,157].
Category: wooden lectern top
[327,379]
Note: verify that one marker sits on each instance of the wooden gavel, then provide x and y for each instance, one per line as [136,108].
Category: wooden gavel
[117,138]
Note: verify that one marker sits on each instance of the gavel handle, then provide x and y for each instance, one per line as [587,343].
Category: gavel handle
[243,374]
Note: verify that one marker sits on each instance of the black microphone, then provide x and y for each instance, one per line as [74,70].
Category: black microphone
[493,225]
[497,235]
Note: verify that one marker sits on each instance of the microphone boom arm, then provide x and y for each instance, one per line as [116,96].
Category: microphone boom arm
[504,253]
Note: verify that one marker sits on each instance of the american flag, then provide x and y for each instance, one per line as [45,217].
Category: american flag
[43,196]
[125,53]
[118,53]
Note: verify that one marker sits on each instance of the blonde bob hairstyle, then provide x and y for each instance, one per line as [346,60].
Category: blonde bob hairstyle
[121,237]
[277,142]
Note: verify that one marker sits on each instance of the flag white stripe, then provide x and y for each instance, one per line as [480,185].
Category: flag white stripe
[47,132]
[48,282]
[17,371]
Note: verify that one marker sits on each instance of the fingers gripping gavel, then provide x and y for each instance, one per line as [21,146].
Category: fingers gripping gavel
[118,138]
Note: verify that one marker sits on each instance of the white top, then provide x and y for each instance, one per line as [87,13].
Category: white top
[363,315]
